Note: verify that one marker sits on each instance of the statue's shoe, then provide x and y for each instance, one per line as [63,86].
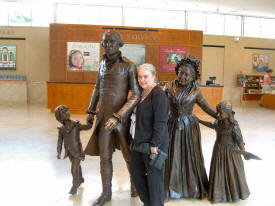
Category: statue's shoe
[73,189]
[102,199]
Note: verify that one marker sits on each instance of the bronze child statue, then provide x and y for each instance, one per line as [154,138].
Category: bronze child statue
[227,182]
[69,132]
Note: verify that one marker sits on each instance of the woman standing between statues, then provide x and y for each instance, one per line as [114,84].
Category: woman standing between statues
[185,174]
[151,130]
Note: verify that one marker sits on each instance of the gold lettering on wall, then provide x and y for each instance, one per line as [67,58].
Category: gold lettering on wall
[142,37]
[136,37]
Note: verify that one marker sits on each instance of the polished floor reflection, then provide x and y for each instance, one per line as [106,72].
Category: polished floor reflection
[32,176]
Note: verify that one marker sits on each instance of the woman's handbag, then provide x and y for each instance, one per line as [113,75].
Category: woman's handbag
[156,160]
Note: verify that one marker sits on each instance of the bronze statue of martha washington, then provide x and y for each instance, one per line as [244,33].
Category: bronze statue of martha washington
[116,77]
[185,174]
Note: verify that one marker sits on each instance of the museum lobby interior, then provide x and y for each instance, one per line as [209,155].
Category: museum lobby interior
[31,174]
[224,35]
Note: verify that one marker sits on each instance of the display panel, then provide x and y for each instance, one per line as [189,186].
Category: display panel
[260,62]
[7,57]
[83,56]
[169,57]
[134,52]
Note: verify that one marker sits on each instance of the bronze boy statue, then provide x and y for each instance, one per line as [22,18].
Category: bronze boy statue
[69,132]
[116,77]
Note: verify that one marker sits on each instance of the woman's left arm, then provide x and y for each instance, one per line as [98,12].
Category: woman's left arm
[204,105]
[160,117]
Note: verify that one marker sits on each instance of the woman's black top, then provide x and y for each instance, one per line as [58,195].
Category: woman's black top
[151,120]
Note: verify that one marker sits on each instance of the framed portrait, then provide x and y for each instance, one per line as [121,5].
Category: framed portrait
[260,62]
[169,57]
[83,56]
[7,57]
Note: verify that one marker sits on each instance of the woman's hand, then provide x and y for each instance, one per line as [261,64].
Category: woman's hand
[154,150]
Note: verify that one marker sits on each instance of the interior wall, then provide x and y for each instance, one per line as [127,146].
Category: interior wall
[60,34]
[236,59]
[32,58]
[213,64]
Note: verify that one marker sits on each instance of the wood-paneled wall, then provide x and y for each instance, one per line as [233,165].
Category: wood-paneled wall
[213,96]
[60,34]
[77,97]
[74,95]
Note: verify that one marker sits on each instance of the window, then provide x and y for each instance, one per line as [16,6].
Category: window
[267,28]
[42,14]
[89,15]
[252,27]
[135,17]
[215,24]
[4,11]
[111,16]
[196,21]
[175,19]
[19,14]
[155,18]
[232,25]
[66,13]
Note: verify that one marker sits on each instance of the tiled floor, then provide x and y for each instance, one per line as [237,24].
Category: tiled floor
[30,174]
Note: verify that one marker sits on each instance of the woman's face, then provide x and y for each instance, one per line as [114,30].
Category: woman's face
[77,59]
[145,79]
[185,75]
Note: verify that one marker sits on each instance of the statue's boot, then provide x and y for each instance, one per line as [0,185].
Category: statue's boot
[77,180]
[133,190]
[105,196]
[73,189]
[81,179]
[106,170]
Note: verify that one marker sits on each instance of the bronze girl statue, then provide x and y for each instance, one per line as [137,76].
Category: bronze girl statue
[227,182]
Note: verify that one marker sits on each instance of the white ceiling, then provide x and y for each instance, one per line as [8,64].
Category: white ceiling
[262,8]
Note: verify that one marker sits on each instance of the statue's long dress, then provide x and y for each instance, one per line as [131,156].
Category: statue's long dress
[185,174]
[227,182]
